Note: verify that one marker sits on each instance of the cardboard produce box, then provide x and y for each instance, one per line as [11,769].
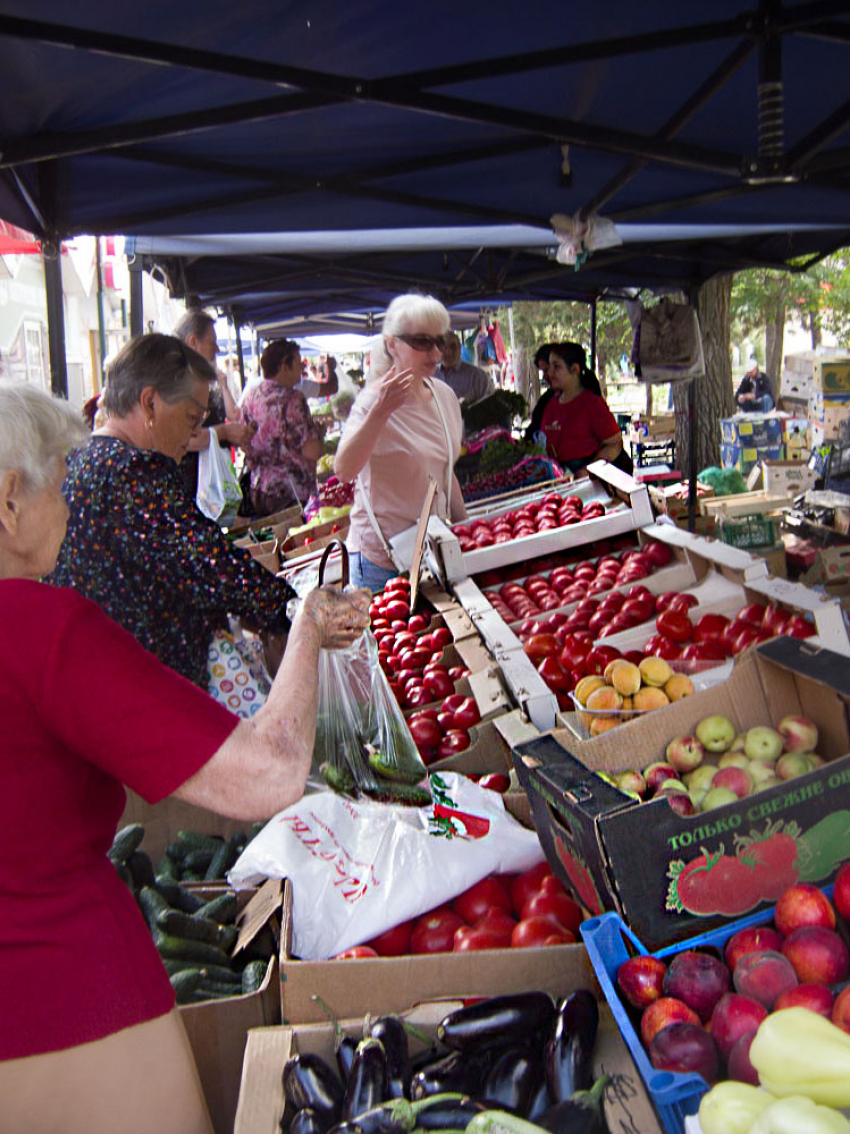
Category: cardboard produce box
[627,1106]
[218,1029]
[788,477]
[671,876]
[744,456]
[163,820]
[748,430]
[831,375]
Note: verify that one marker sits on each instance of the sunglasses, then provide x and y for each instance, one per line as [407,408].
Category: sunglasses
[423,342]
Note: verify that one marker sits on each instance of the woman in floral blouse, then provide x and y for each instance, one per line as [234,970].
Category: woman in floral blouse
[136,543]
[287,444]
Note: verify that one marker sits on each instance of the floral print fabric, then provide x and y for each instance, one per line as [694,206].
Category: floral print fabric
[140,548]
[284,425]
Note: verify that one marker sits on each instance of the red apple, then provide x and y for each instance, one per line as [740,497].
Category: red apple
[662,1013]
[840,1014]
[764,977]
[815,997]
[753,939]
[657,773]
[684,753]
[734,1016]
[841,892]
[641,979]
[738,1065]
[818,955]
[803,905]
[799,734]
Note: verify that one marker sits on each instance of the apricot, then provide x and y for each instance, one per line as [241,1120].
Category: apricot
[627,705]
[603,724]
[679,686]
[605,698]
[586,686]
[655,671]
[650,698]
[611,666]
[626,678]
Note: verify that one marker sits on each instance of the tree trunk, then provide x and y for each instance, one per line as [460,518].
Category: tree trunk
[713,393]
[774,345]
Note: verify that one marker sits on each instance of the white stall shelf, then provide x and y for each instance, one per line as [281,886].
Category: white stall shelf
[734,560]
[528,689]
[629,509]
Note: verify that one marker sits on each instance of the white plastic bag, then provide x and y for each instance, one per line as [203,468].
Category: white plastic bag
[219,494]
[358,868]
[668,343]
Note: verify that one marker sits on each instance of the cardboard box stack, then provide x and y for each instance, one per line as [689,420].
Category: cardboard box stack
[829,399]
[747,439]
[796,382]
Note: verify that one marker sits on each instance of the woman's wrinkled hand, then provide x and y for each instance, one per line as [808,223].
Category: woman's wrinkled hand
[395,389]
[235,433]
[341,616]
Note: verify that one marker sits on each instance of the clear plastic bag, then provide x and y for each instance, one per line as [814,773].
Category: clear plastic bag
[219,494]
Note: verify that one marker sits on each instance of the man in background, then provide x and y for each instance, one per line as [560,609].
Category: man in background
[469,382]
[755,393]
[327,383]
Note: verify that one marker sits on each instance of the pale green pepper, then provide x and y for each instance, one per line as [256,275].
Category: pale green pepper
[732,1108]
[799,1052]
[797,1115]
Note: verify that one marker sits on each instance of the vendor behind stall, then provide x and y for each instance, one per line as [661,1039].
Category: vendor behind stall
[91,1041]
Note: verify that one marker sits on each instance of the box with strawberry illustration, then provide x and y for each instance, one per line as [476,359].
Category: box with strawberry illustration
[707,809]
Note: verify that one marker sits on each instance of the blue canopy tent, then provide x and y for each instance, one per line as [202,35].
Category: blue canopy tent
[324,117]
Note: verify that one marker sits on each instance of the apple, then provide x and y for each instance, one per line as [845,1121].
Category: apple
[818,955]
[792,764]
[641,979]
[841,892]
[657,773]
[735,779]
[803,905]
[718,797]
[733,760]
[799,734]
[815,997]
[763,743]
[685,753]
[840,1011]
[697,979]
[715,733]
[734,1016]
[631,781]
[752,939]
[764,976]
[700,779]
[759,772]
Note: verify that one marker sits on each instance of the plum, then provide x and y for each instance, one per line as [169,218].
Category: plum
[685,1047]
[764,976]
[698,979]
[738,1064]
[734,1016]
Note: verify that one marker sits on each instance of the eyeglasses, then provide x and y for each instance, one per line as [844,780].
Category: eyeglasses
[423,342]
[204,410]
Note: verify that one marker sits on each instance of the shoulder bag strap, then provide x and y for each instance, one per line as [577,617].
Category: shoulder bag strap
[451,463]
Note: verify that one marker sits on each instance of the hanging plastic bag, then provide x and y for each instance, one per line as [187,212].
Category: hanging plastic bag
[219,494]
[357,868]
[668,342]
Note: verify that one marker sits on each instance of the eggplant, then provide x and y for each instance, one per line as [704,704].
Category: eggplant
[512,1078]
[367,1081]
[306,1121]
[447,1112]
[309,1082]
[458,1071]
[393,1035]
[499,1021]
[539,1101]
[399,1116]
[345,1048]
[581,1114]
[569,1051]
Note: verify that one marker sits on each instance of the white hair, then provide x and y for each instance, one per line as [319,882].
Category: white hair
[36,432]
[407,313]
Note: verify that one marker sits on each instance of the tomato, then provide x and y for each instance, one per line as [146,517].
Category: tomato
[446,720]
[426,733]
[683,602]
[441,637]
[703,651]
[466,714]
[455,740]
[472,937]
[424,715]
[575,651]
[718,883]
[659,554]
[415,658]
[416,695]
[532,932]
[356,951]
[495,781]
[434,932]
[453,702]
[709,627]
[478,899]
[746,637]
[660,647]
[526,884]
[560,907]
[458,672]
[396,608]
[417,622]
[397,583]
[675,625]
[799,627]
[540,646]
[775,619]
[554,676]
[753,613]
[664,600]
[393,942]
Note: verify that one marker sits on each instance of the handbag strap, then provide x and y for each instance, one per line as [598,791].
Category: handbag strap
[326,555]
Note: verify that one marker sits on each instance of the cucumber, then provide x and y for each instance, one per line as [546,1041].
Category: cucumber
[125,875]
[338,779]
[403,772]
[181,949]
[256,828]
[194,840]
[197,861]
[176,896]
[153,904]
[173,966]
[178,924]
[221,909]
[220,863]
[253,976]
[192,876]
[125,842]
[222,975]
[166,867]
[202,994]
[228,936]
[185,983]
[220,988]
[410,794]
[141,868]
[176,852]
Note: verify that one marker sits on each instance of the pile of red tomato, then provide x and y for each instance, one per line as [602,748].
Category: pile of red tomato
[501,911]
[553,511]
[714,637]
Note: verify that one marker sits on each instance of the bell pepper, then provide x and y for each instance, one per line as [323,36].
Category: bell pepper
[799,1052]
[797,1115]
[732,1108]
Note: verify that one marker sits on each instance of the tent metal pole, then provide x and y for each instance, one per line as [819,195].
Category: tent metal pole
[693,299]
[240,358]
[593,334]
[51,253]
[137,318]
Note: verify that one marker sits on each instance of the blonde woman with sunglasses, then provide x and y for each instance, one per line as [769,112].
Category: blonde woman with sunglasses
[403,427]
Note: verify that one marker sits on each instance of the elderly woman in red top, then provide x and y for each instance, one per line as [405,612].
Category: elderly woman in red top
[91,1041]
[578,425]
[283,453]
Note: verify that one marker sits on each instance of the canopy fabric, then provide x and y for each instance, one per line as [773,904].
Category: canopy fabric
[181,119]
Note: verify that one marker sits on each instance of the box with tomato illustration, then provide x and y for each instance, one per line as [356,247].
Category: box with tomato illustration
[669,875]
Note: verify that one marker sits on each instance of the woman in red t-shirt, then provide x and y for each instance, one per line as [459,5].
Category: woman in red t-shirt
[90,1040]
[577,423]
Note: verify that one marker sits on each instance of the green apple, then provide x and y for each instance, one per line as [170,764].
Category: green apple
[700,778]
[732,759]
[763,743]
[717,797]
[715,733]
[759,771]
[793,764]
[767,783]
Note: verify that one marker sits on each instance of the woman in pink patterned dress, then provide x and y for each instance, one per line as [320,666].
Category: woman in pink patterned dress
[287,444]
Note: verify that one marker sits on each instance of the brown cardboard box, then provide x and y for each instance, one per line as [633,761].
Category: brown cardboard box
[163,820]
[218,1029]
[627,1106]
[632,856]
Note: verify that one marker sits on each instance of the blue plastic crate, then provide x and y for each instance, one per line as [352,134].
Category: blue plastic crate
[674,1095]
